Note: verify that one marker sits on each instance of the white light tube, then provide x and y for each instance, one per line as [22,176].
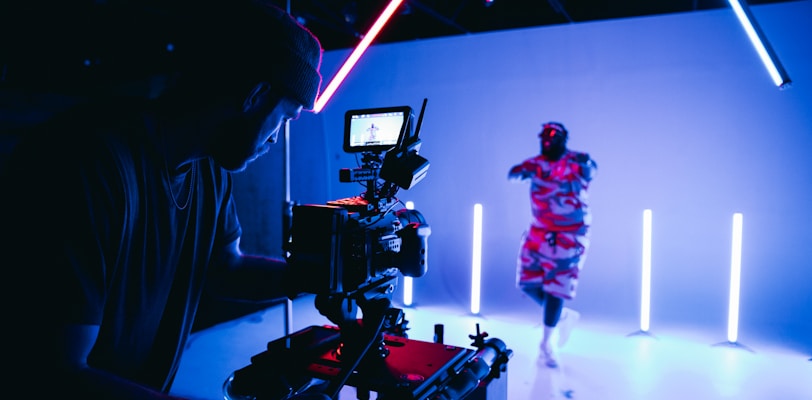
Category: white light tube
[407,291]
[407,280]
[645,292]
[735,277]
[476,260]
[762,46]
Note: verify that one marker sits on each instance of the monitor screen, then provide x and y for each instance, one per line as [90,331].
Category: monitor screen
[375,129]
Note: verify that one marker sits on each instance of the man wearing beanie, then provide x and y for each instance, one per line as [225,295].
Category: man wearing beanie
[119,212]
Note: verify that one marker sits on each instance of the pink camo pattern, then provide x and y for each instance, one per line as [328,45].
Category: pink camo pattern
[554,249]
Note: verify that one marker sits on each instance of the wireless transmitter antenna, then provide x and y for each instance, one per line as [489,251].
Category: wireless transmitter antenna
[406,167]
[420,119]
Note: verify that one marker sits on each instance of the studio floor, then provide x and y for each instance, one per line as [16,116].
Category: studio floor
[597,361]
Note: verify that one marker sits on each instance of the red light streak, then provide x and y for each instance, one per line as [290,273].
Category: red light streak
[356,55]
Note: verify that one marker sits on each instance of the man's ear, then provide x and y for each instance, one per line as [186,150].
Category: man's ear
[259,91]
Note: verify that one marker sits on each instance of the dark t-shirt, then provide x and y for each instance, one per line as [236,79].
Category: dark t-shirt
[93,236]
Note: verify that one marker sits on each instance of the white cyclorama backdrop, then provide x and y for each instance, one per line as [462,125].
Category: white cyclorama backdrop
[677,110]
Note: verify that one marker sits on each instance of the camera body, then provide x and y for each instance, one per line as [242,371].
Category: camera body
[347,245]
[338,250]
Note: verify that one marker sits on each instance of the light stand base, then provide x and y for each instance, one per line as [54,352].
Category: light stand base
[734,345]
[642,333]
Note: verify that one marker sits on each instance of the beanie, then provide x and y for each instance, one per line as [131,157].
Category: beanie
[553,125]
[228,46]
[300,57]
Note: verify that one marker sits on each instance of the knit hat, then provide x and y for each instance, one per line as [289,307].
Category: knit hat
[553,125]
[300,59]
[226,44]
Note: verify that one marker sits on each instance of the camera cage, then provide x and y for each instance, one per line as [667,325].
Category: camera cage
[345,245]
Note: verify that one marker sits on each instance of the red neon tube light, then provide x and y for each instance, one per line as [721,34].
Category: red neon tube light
[356,55]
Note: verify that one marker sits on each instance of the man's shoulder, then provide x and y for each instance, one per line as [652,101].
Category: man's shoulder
[536,159]
[580,156]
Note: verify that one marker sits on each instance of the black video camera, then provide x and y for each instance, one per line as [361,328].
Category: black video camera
[348,245]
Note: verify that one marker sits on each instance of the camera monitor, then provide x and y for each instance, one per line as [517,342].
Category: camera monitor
[376,129]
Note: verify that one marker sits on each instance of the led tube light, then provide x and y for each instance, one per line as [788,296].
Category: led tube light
[645,292]
[762,46]
[735,278]
[476,260]
[356,54]
[407,280]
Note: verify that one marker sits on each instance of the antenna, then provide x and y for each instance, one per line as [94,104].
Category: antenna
[403,166]
[412,143]
[420,119]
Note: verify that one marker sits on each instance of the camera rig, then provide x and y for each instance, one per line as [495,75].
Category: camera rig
[316,362]
[348,252]
[347,244]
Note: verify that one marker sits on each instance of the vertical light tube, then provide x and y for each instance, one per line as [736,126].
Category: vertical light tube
[407,291]
[645,292]
[407,280]
[476,259]
[356,54]
[762,46]
[735,278]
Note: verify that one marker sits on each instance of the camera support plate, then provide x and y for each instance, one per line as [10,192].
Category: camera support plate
[412,369]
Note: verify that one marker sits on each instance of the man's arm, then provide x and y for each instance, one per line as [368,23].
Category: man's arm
[588,166]
[72,375]
[250,277]
[520,172]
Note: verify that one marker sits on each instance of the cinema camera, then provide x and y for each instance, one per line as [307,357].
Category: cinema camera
[352,243]
[348,253]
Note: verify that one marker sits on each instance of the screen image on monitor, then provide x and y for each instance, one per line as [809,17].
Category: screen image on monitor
[375,129]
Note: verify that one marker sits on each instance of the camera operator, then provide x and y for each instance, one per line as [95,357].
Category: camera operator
[119,213]
[554,248]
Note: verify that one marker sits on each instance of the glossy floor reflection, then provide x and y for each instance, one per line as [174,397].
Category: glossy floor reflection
[598,361]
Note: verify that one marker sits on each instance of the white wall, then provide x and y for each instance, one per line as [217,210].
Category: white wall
[677,110]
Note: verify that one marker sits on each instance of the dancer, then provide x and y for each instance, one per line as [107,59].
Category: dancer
[554,248]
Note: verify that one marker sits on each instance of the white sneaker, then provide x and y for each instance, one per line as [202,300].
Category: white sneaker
[565,324]
[548,356]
